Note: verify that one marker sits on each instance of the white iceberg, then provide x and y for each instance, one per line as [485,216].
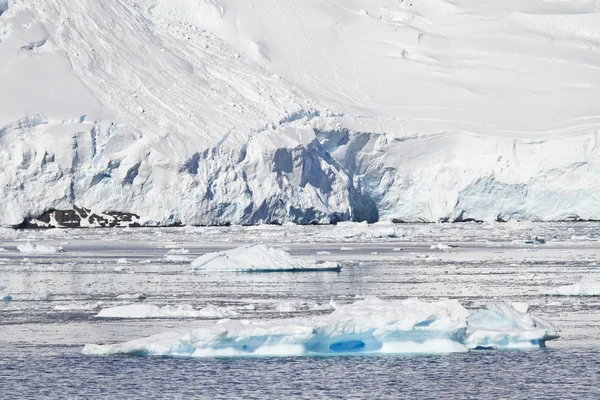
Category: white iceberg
[258,258]
[139,311]
[503,325]
[32,248]
[81,307]
[370,326]
[134,296]
[178,251]
[289,306]
[578,289]
[175,258]
[440,246]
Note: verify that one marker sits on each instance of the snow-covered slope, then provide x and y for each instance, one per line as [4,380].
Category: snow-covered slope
[220,111]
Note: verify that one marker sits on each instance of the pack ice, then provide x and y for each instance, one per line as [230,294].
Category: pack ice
[370,326]
[258,258]
[133,112]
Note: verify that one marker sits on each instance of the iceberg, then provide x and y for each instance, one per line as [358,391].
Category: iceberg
[134,296]
[578,289]
[370,326]
[79,307]
[4,296]
[32,248]
[178,251]
[440,246]
[258,258]
[139,311]
[503,325]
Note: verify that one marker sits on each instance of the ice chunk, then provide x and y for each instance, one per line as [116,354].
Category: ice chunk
[178,251]
[258,258]
[370,326]
[32,248]
[175,258]
[152,311]
[440,246]
[4,296]
[288,306]
[503,325]
[578,289]
[135,296]
[325,306]
[86,306]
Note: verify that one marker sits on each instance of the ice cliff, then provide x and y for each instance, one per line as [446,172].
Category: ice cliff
[216,112]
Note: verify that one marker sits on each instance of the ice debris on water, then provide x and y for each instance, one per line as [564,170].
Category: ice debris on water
[583,288]
[134,296]
[536,240]
[79,307]
[3,295]
[258,258]
[178,251]
[138,311]
[32,248]
[370,326]
[440,246]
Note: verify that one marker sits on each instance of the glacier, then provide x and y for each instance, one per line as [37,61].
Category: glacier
[370,326]
[258,258]
[216,112]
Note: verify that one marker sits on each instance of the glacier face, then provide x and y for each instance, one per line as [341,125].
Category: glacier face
[176,111]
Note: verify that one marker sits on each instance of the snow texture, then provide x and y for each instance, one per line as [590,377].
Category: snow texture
[370,326]
[258,258]
[167,112]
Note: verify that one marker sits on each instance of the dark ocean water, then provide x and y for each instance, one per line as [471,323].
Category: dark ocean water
[63,373]
[52,314]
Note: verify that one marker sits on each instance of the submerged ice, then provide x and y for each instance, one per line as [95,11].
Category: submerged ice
[370,326]
[258,258]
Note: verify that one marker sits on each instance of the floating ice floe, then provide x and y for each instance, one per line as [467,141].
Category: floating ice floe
[578,289]
[32,248]
[73,307]
[370,326]
[4,296]
[175,258]
[134,296]
[136,311]
[178,251]
[258,258]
